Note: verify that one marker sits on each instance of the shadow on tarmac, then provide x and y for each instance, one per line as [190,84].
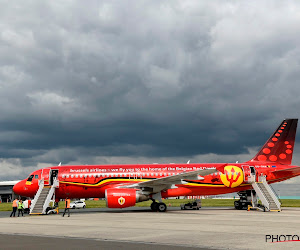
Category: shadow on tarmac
[4,214]
[37,242]
[140,210]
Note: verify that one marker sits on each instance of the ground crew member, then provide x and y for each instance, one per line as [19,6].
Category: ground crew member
[29,204]
[14,207]
[20,207]
[56,207]
[67,207]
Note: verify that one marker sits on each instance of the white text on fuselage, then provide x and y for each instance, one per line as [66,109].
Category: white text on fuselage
[142,169]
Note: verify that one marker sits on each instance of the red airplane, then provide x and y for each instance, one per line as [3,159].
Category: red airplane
[125,185]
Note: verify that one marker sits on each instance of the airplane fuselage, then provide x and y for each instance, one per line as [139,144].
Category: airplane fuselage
[91,181]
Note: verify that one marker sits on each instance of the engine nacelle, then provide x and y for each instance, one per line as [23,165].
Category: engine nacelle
[123,197]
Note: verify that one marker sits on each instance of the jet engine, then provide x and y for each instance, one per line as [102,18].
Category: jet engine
[123,197]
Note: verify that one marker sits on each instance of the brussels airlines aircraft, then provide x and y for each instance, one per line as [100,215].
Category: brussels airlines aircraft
[125,185]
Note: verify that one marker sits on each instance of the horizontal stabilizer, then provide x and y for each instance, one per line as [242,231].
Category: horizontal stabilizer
[295,171]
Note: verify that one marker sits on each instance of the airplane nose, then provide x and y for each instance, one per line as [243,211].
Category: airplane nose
[19,187]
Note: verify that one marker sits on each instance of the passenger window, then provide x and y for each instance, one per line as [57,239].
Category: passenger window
[36,176]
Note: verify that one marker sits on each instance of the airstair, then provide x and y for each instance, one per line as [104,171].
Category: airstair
[43,197]
[265,193]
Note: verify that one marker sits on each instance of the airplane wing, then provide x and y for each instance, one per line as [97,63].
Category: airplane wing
[159,184]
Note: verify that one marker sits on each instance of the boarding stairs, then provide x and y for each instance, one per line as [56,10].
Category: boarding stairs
[266,194]
[43,197]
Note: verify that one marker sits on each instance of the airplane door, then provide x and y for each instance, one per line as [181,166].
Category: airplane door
[45,175]
[247,172]
[253,172]
[53,175]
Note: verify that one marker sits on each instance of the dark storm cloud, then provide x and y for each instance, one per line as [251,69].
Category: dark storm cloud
[144,78]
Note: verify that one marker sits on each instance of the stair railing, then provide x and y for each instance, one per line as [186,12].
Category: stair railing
[275,194]
[50,195]
[261,195]
[37,195]
[267,186]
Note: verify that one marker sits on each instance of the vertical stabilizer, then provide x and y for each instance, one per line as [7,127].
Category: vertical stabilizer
[280,146]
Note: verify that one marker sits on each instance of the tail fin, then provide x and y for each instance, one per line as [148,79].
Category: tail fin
[279,148]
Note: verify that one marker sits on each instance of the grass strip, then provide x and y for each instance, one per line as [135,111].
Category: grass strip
[169,202]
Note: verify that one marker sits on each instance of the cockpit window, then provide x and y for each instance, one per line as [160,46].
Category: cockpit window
[30,178]
[36,176]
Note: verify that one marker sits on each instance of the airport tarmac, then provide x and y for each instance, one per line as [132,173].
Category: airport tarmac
[207,228]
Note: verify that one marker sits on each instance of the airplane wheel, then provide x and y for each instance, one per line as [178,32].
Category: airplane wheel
[154,206]
[236,204]
[162,207]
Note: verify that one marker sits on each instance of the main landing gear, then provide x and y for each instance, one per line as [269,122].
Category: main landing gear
[246,198]
[158,206]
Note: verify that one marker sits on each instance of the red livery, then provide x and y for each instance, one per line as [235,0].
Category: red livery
[125,185]
[120,197]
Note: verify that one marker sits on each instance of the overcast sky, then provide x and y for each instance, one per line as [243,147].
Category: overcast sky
[102,82]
